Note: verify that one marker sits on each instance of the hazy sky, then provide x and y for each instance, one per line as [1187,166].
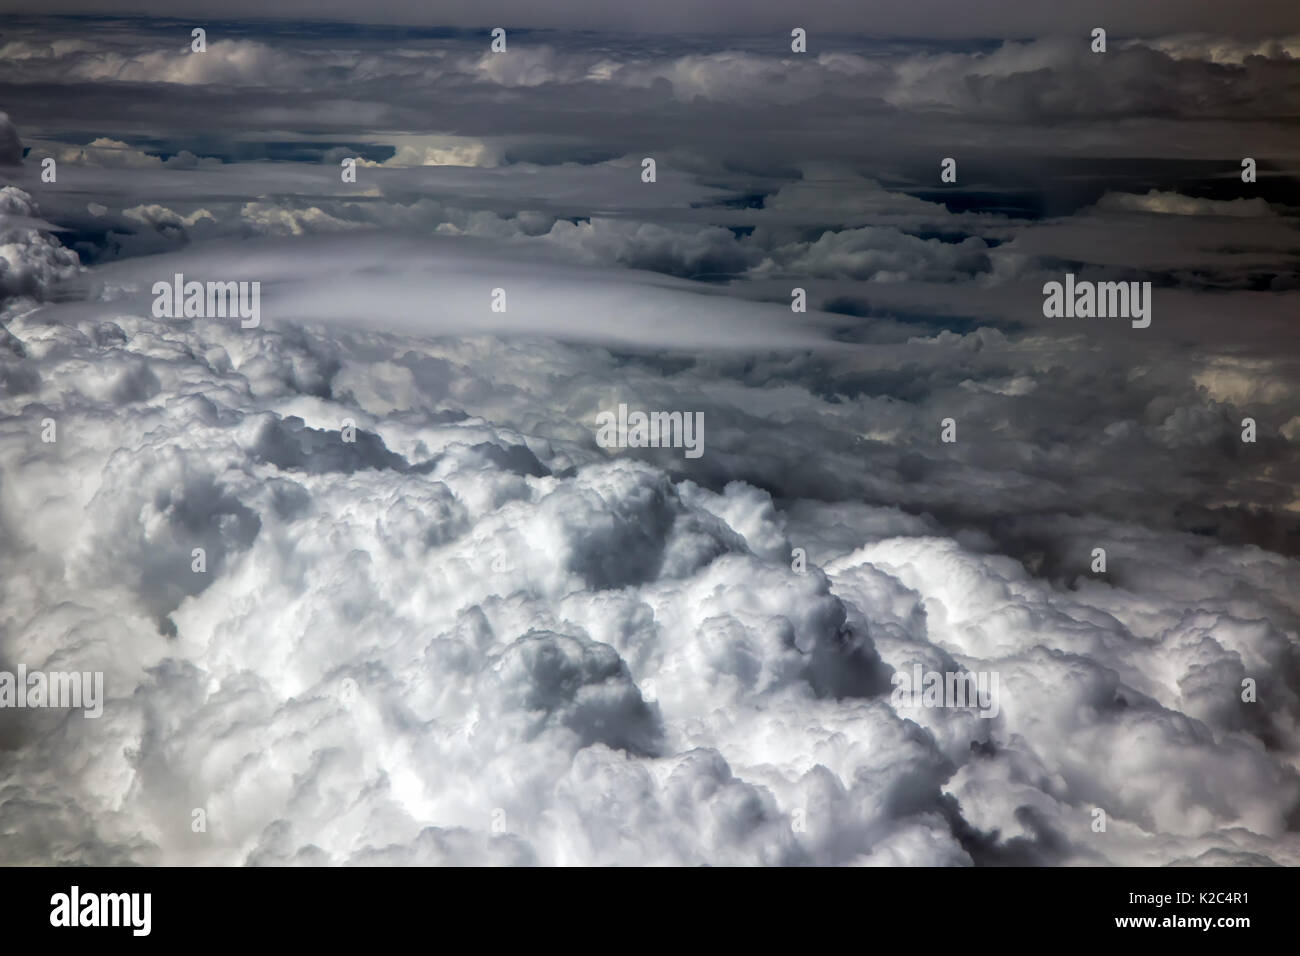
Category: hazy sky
[992,18]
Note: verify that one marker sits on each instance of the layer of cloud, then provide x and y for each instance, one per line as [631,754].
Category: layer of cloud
[473,636]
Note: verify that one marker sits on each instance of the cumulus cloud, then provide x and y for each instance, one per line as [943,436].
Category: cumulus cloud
[116,154]
[1174,204]
[166,221]
[443,151]
[880,255]
[479,615]
[31,260]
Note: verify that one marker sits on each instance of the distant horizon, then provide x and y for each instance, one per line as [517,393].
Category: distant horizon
[898,19]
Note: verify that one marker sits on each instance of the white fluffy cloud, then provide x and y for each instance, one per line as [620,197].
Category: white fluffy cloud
[472,636]
[31,261]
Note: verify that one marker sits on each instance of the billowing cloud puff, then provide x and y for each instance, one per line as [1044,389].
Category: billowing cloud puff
[115,154]
[30,260]
[880,255]
[443,151]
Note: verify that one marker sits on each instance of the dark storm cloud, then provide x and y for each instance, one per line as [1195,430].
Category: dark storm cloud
[888,110]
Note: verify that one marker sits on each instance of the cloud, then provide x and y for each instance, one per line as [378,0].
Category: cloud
[443,285]
[1224,49]
[528,621]
[880,255]
[31,262]
[437,623]
[165,220]
[1174,204]
[11,148]
[443,151]
[116,154]
[227,62]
